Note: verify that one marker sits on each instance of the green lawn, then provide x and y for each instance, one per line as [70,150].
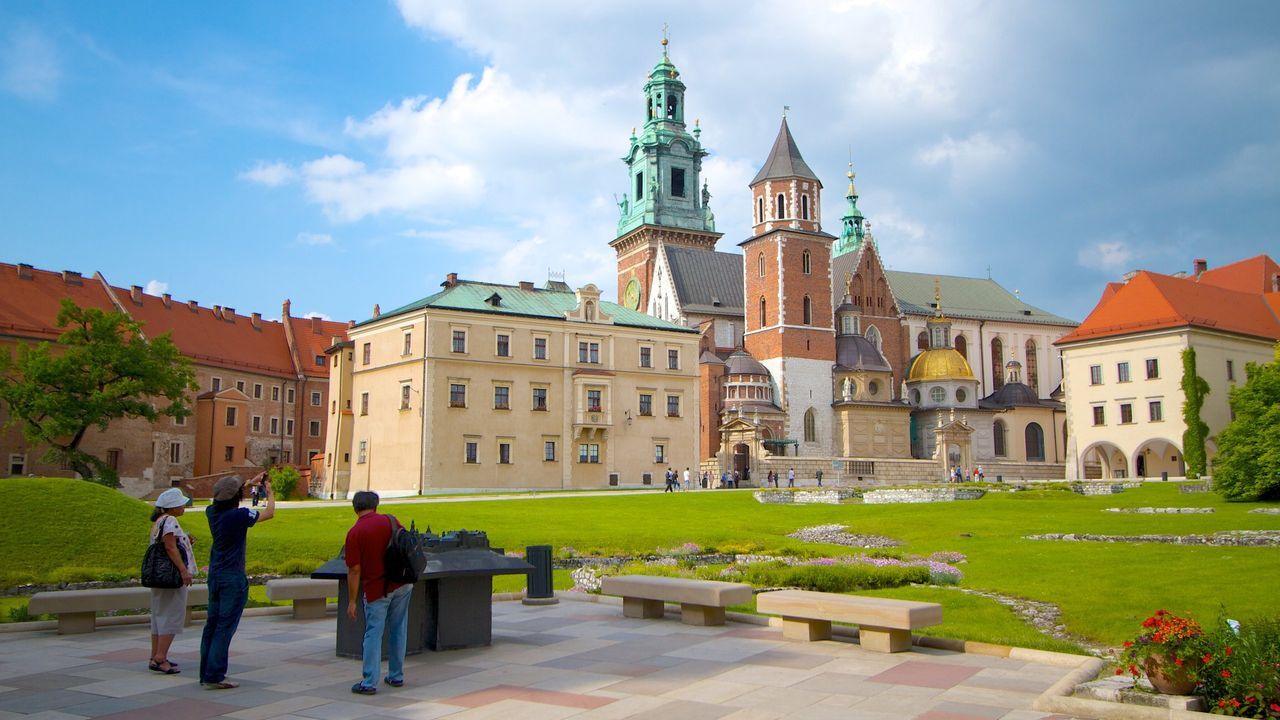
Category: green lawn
[62,529]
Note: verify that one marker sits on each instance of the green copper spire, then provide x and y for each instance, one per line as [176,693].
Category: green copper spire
[854,231]
[665,160]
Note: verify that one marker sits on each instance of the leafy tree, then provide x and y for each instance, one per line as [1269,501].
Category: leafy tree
[284,480]
[1194,388]
[101,368]
[1247,466]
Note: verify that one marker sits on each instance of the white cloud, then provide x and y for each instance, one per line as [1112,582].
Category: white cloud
[349,191]
[270,174]
[29,65]
[156,287]
[976,157]
[320,315]
[1111,255]
[314,239]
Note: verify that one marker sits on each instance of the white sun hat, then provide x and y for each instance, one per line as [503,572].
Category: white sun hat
[171,498]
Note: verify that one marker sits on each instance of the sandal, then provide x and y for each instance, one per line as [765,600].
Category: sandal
[221,685]
[163,667]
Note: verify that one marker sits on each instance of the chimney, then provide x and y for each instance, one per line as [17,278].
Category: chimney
[167,299]
[377,310]
[284,309]
[135,294]
[24,272]
[315,325]
[71,277]
[256,321]
[351,324]
[526,285]
[217,311]
[1201,265]
[229,314]
[193,306]
[450,280]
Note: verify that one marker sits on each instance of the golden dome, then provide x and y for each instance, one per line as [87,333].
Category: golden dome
[940,364]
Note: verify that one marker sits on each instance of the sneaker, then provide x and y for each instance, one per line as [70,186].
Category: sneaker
[361,689]
[394,683]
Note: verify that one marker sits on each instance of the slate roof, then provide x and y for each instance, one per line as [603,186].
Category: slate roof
[470,296]
[1017,394]
[785,160]
[855,352]
[967,298]
[703,279]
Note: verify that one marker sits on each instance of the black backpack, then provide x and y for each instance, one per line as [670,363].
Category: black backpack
[403,561]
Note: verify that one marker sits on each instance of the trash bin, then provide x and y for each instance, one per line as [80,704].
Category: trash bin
[1164,476]
[539,589]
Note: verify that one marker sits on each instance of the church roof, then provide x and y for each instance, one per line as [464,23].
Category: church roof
[741,363]
[939,364]
[1015,394]
[706,281]
[785,160]
[855,352]
[967,298]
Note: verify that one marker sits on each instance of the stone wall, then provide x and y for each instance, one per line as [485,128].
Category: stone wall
[833,496]
[921,495]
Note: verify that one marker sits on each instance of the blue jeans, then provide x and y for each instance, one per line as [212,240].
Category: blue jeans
[228,593]
[387,611]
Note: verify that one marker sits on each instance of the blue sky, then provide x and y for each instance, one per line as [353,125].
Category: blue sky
[343,154]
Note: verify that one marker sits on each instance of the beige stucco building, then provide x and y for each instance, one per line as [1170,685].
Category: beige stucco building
[497,387]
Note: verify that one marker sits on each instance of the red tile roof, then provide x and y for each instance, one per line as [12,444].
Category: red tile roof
[29,308]
[313,336]
[1151,301]
[1254,275]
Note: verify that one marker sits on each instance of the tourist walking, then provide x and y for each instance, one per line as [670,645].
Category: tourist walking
[386,604]
[735,479]
[706,479]
[687,486]
[724,478]
[819,476]
[169,605]
[791,477]
[228,586]
[671,481]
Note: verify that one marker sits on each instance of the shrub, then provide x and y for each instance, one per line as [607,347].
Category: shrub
[1241,673]
[832,578]
[284,480]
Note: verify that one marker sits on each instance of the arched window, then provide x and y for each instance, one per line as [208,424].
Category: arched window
[804,207]
[762,313]
[810,426]
[1035,442]
[922,341]
[1033,377]
[760,261]
[874,336]
[962,346]
[806,262]
[997,363]
[780,210]
[760,210]
[808,311]
[998,430]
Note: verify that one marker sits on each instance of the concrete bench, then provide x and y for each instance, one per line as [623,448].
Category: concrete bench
[702,602]
[884,625]
[77,609]
[309,596]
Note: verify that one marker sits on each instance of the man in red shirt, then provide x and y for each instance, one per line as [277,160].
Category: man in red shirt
[386,604]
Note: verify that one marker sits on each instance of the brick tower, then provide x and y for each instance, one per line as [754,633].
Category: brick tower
[666,202]
[787,286]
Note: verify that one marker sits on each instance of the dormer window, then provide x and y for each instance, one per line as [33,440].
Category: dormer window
[495,300]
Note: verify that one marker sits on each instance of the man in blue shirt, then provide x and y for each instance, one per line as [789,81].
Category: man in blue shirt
[228,585]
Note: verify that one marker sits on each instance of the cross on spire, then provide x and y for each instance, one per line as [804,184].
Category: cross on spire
[664,39]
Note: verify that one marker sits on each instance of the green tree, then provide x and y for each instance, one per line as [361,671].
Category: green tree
[101,368]
[1247,466]
[284,480]
[1194,388]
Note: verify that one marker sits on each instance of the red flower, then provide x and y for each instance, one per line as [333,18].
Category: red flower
[1228,651]
[1222,703]
[1234,702]
[1226,673]
[1119,671]
[1275,707]
[1178,661]
[1207,657]
[1133,670]
[1128,643]
[1158,637]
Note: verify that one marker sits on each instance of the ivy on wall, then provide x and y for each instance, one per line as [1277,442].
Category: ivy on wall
[1194,388]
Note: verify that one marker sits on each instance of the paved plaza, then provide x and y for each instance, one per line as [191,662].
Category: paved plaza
[571,660]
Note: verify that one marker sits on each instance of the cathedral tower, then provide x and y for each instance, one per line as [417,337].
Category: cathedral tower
[787,292]
[666,200]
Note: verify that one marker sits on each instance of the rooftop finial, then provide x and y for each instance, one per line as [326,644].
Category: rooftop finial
[664,39]
[785,108]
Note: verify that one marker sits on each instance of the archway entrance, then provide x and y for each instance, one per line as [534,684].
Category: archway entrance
[1155,458]
[1103,461]
[741,458]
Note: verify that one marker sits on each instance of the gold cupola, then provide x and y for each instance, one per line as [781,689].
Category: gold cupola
[941,361]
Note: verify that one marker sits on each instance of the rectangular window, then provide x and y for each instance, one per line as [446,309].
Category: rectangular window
[504,345]
[240,385]
[364,403]
[363,453]
[1231,371]
[404,396]
[1153,369]
[1095,374]
[18,464]
[1122,372]
[175,452]
[275,393]
[504,453]
[1126,413]
[256,423]
[593,401]
[113,459]
[313,428]
[231,417]
[673,359]
[315,399]
[539,398]
[275,426]
[288,395]
[677,182]
[319,361]
[1099,415]
[1155,410]
[659,453]
[540,348]
[288,427]
[639,186]
[646,357]
[549,450]
[180,420]
[408,343]
[459,341]
[588,453]
[588,352]
[228,453]
[646,404]
[216,384]
[673,406]
[473,452]
[457,395]
[501,397]
[366,353]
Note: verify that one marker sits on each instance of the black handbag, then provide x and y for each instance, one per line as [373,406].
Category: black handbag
[158,570]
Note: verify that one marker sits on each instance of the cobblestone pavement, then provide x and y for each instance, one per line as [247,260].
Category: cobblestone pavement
[571,660]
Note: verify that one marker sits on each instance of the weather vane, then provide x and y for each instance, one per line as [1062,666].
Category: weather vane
[785,108]
[664,38]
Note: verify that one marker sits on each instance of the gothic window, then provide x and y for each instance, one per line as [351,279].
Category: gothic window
[762,313]
[779,210]
[806,262]
[997,363]
[760,262]
[640,186]
[804,207]
[962,346]
[808,311]
[922,341]
[1035,442]
[1033,376]
[998,430]
[874,336]
[810,426]
[677,182]
[760,209]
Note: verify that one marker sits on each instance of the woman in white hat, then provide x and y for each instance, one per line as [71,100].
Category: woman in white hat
[169,606]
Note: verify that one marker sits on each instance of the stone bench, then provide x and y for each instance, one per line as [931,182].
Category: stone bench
[884,625]
[77,609]
[702,602]
[310,597]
